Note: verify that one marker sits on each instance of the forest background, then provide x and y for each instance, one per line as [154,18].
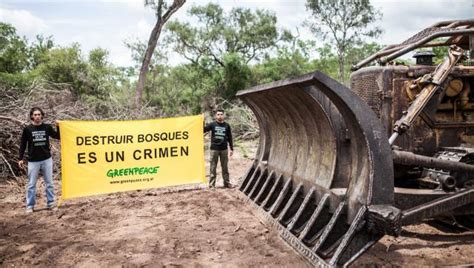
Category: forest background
[221,53]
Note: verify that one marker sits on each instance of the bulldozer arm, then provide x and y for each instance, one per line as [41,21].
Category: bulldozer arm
[322,162]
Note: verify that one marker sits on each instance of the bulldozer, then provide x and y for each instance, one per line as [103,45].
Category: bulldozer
[338,168]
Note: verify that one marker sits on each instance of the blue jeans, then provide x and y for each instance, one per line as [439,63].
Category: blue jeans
[33,171]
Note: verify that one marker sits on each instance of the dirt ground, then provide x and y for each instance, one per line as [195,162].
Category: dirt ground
[194,227]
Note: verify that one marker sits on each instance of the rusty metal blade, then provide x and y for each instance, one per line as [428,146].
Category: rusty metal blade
[323,158]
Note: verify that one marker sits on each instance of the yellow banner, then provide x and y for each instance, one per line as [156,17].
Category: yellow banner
[100,157]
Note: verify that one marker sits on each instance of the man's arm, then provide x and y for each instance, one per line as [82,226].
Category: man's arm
[229,138]
[24,142]
[207,127]
[54,133]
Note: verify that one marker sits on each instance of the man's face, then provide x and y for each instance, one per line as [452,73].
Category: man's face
[220,117]
[37,118]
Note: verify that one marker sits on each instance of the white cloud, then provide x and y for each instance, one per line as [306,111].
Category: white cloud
[404,18]
[107,23]
[24,21]
[134,4]
[120,56]
[143,29]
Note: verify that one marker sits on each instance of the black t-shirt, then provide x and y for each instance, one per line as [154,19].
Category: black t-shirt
[37,140]
[220,135]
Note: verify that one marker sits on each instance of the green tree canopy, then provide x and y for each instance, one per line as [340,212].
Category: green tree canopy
[291,59]
[241,31]
[13,50]
[346,23]
[39,50]
[223,44]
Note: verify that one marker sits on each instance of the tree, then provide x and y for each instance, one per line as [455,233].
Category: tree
[156,66]
[138,48]
[223,44]
[291,59]
[98,58]
[216,33]
[102,77]
[65,65]
[327,61]
[345,21]
[163,14]
[440,54]
[13,50]
[39,49]
[236,75]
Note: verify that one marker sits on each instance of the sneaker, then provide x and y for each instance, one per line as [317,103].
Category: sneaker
[29,210]
[229,186]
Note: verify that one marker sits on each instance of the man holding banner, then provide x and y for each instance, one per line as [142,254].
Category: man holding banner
[35,137]
[221,147]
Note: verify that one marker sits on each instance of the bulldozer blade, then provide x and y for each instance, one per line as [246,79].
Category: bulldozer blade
[322,160]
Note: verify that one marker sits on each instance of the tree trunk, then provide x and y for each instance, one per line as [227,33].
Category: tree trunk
[155,34]
[341,67]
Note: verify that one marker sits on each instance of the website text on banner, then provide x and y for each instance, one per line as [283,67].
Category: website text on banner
[100,157]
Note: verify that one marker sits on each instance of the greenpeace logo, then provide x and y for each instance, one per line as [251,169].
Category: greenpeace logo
[113,173]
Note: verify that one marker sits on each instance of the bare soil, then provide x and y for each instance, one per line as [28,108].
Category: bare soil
[193,227]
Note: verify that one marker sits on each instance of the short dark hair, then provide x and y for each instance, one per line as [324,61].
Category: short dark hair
[34,109]
[220,110]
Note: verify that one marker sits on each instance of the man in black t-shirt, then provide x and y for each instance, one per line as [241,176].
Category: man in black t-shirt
[221,147]
[35,137]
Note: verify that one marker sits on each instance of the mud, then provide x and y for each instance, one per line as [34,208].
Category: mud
[193,227]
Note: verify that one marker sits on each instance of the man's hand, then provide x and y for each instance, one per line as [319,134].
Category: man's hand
[231,152]
[21,164]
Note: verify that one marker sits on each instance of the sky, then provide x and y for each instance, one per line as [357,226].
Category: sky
[108,23]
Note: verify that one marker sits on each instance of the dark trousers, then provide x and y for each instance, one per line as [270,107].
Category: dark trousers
[215,155]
